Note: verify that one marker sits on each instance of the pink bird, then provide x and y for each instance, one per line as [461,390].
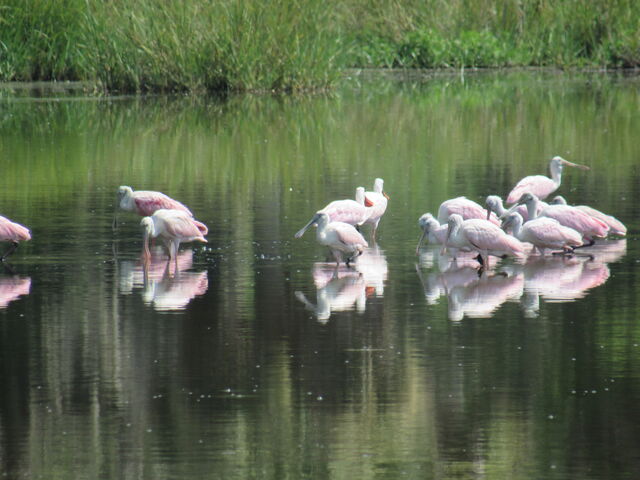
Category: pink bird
[616,227]
[377,201]
[174,227]
[14,233]
[466,208]
[352,212]
[494,204]
[340,237]
[542,186]
[483,237]
[543,233]
[586,225]
[146,202]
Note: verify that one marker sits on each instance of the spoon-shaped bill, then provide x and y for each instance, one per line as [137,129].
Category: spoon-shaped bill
[313,220]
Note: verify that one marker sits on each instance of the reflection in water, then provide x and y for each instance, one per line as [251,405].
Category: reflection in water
[13,287]
[473,293]
[340,289]
[164,286]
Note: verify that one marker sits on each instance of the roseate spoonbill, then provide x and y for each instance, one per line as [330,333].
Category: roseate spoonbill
[494,204]
[466,208]
[174,227]
[377,201]
[586,225]
[340,237]
[353,212]
[146,202]
[543,233]
[14,233]
[540,185]
[435,233]
[616,227]
[482,236]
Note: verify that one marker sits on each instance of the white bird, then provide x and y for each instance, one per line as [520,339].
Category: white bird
[466,208]
[483,237]
[340,237]
[377,201]
[543,233]
[542,186]
[173,227]
[435,233]
[616,227]
[353,212]
[494,204]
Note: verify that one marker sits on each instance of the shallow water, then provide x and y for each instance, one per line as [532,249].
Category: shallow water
[255,358]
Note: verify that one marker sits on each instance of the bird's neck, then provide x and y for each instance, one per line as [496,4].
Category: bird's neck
[532,209]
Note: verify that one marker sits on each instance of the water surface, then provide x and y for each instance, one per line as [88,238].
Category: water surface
[254,357]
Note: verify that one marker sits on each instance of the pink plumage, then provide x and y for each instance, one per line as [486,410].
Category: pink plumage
[466,208]
[539,185]
[13,232]
[583,223]
[146,202]
[174,227]
[485,236]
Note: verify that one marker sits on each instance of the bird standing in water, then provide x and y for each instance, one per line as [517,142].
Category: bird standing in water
[146,202]
[542,186]
[14,233]
[377,202]
[173,227]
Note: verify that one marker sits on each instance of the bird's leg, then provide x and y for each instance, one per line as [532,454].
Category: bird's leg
[9,251]
[590,244]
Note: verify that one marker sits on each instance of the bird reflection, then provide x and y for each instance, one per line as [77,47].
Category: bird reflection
[560,280]
[340,289]
[470,292]
[13,287]
[166,285]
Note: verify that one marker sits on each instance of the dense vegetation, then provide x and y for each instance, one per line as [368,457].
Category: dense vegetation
[301,44]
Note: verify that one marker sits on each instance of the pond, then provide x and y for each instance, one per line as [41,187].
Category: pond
[252,357]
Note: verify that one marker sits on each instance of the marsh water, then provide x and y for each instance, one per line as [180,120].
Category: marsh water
[254,357]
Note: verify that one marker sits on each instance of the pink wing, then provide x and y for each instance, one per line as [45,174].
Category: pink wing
[348,235]
[13,232]
[548,231]
[486,236]
[148,202]
[573,218]
[616,227]
[467,209]
[180,225]
[346,211]
[539,185]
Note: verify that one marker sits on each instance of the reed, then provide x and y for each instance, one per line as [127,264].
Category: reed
[293,45]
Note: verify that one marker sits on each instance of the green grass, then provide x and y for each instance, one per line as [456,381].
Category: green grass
[297,45]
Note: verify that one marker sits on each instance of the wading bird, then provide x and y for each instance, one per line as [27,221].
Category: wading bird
[586,225]
[543,233]
[146,202]
[377,202]
[353,212]
[494,204]
[173,227]
[483,237]
[616,227]
[466,208]
[542,186]
[14,233]
[340,237]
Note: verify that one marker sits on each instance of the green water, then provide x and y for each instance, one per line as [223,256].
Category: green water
[403,368]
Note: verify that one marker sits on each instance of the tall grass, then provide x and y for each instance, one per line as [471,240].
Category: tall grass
[156,45]
[483,33]
[285,45]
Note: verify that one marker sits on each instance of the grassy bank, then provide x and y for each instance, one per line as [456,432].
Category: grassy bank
[293,45]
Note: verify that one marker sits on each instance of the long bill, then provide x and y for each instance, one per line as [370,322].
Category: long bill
[114,224]
[424,234]
[510,211]
[577,165]
[300,232]
[146,254]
